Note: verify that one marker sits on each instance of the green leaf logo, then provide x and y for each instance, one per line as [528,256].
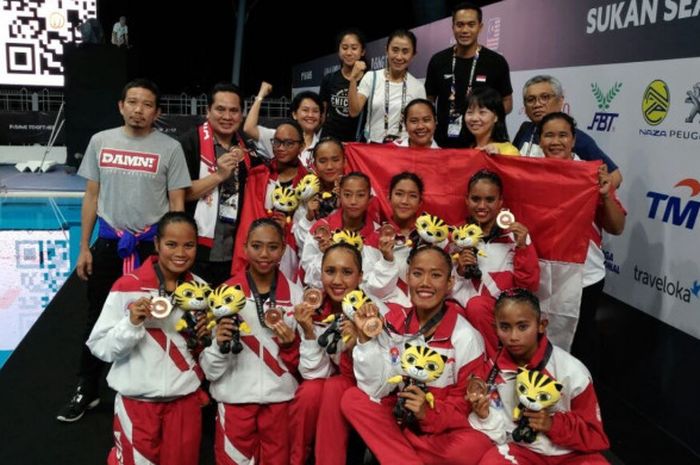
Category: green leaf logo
[604,99]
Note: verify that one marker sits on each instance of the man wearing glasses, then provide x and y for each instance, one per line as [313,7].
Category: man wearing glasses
[543,94]
[218,160]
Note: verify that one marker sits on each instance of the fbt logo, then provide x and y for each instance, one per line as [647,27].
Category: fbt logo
[603,120]
[675,209]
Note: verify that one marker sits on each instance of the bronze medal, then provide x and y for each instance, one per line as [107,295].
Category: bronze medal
[476,388]
[272,316]
[505,218]
[372,327]
[313,298]
[161,307]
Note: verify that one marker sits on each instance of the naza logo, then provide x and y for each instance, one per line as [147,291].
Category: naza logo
[656,102]
[673,208]
[603,120]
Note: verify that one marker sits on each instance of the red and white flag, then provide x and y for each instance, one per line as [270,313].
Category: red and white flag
[555,199]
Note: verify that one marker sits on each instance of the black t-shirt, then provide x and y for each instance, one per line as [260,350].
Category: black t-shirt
[491,71]
[339,124]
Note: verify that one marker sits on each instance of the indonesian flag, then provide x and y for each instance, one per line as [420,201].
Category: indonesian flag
[253,208]
[555,199]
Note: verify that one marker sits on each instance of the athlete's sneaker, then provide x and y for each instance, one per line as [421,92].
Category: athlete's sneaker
[83,399]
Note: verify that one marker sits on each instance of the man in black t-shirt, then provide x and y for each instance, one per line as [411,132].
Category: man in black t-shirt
[456,71]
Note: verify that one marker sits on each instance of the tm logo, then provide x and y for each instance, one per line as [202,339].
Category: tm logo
[673,210]
[603,120]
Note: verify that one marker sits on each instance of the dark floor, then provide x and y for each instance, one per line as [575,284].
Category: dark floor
[38,378]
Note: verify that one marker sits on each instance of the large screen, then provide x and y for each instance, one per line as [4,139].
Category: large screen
[34,265]
[32,34]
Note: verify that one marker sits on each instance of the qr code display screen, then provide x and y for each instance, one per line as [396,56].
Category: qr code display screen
[32,35]
[34,265]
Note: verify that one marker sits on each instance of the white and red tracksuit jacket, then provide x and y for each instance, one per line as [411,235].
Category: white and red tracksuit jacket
[149,360]
[384,279]
[504,266]
[379,359]
[576,420]
[315,362]
[263,372]
[311,255]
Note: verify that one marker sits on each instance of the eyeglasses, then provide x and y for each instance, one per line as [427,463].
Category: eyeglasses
[542,98]
[286,143]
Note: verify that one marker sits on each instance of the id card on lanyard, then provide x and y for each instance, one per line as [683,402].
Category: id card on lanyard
[454,127]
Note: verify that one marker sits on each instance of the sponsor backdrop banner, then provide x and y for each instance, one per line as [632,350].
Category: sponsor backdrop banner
[631,76]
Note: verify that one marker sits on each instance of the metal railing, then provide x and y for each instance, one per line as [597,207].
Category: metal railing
[25,100]
[45,100]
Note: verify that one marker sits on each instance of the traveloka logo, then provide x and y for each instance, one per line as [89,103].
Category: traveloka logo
[673,209]
[669,286]
[693,98]
[656,102]
[603,120]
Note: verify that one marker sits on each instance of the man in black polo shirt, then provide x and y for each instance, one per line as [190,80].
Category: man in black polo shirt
[454,72]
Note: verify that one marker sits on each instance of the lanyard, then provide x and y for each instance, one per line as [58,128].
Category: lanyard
[532,140]
[430,324]
[470,82]
[540,366]
[258,298]
[162,292]
[386,103]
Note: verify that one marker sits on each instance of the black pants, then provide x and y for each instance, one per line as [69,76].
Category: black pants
[106,269]
[585,345]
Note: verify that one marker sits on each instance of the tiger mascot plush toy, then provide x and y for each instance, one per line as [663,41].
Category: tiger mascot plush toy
[535,391]
[349,237]
[307,187]
[421,365]
[226,302]
[431,229]
[469,236]
[191,296]
[284,199]
[330,338]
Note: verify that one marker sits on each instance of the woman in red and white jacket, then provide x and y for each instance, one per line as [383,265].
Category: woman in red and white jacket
[558,142]
[157,409]
[285,170]
[253,388]
[510,258]
[386,250]
[328,165]
[570,432]
[441,433]
[358,213]
[315,416]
